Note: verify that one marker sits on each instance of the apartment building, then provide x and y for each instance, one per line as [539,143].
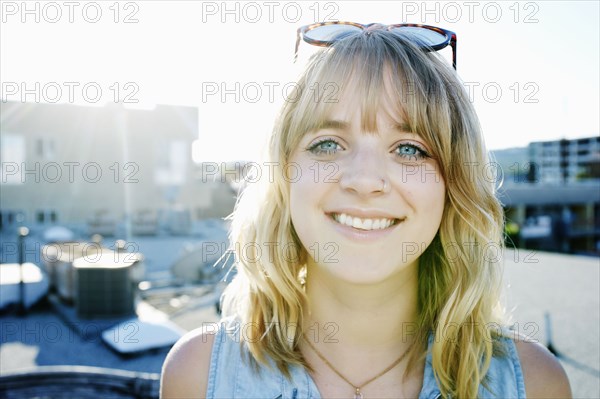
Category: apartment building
[566,161]
[64,163]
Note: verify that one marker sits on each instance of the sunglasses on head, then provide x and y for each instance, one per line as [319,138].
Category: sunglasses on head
[429,38]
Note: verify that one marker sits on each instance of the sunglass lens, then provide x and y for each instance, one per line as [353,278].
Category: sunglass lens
[327,33]
[425,37]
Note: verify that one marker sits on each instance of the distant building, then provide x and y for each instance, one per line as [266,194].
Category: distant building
[64,163]
[551,194]
[563,218]
[566,161]
[551,162]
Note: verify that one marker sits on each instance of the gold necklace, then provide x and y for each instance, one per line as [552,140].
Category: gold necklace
[357,394]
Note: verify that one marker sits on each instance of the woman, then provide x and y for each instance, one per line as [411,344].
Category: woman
[368,261]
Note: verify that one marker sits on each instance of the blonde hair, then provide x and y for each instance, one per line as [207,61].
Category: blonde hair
[458,275]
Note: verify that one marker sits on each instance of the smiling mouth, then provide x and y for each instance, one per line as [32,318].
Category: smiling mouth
[364,223]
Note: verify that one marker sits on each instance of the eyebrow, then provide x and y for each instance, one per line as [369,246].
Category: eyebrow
[335,124]
[332,124]
[402,127]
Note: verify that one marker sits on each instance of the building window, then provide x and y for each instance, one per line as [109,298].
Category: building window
[171,162]
[12,150]
[45,148]
[583,141]
[45,216]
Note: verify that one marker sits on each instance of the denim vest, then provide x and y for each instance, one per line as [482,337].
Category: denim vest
[231,376]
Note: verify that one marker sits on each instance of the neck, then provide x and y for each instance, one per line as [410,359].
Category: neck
[374,317]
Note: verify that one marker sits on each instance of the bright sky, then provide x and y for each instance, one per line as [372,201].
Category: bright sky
[532,66]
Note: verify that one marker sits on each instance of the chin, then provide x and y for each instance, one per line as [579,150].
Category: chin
[362,273]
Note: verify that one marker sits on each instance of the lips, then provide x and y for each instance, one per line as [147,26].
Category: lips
[363,223]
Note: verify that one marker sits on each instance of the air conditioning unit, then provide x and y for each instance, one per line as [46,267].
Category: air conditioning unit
[58,260]
[104,285]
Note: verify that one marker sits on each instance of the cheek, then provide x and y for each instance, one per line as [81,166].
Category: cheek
[308,180]
[438,203]
[425,191]
[303,193]
[423,175]
[434,196]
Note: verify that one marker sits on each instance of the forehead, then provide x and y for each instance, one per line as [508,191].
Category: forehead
[371,104]
[379,113]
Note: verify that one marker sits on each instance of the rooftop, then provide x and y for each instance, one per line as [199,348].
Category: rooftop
[564,287]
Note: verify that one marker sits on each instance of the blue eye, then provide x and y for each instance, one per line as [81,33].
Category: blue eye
[324,147]
[411,152]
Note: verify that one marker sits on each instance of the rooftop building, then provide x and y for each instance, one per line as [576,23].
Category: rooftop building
[102,165]
[566,161]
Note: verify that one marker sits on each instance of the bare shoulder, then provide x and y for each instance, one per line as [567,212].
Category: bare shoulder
[543,374]
[185,371]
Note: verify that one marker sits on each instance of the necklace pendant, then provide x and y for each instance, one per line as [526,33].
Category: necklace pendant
[358,394]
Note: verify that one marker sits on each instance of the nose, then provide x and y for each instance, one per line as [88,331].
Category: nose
[365,174]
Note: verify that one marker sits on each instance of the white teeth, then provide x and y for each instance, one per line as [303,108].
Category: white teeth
[363,224]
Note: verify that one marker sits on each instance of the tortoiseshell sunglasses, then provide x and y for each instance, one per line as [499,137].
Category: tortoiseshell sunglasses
[429,38]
